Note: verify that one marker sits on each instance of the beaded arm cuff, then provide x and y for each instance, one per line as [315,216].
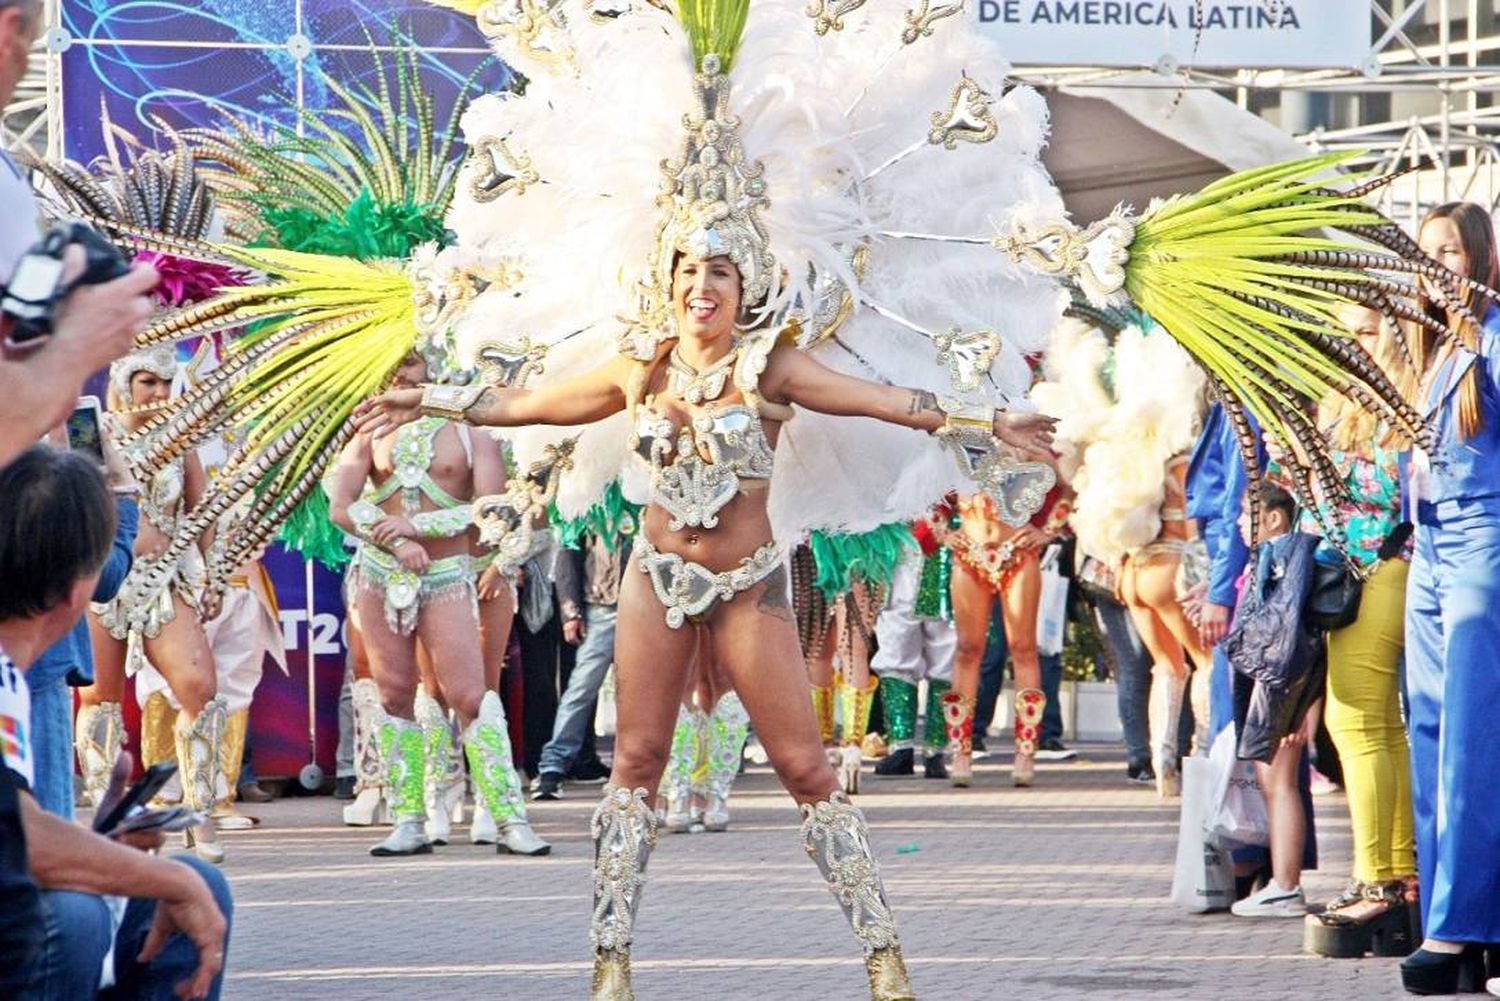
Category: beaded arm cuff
[443,524]
[450,402]
[364,515]
[959,416]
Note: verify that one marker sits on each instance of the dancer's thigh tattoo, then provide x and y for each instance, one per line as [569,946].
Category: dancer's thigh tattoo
[775,596]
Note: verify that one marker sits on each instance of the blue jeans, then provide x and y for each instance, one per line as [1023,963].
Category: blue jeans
[77,940]
[52,747]
[992,679]
[1132,677]
[595,654]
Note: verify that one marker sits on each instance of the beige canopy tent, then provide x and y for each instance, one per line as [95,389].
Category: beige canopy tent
[1134,143]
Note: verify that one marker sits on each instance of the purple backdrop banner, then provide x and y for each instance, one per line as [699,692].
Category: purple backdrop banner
[187,64]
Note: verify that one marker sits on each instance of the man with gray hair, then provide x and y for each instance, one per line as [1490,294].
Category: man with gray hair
[92,325]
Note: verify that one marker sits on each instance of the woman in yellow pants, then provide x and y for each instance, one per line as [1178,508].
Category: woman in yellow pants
[1363,709]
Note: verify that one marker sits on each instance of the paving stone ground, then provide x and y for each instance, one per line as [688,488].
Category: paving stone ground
[1053,892]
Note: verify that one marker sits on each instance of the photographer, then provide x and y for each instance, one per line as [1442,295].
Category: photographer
[90,325]
[57,525]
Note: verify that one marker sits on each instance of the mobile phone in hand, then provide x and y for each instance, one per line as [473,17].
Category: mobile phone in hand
[85,436]
[136,797]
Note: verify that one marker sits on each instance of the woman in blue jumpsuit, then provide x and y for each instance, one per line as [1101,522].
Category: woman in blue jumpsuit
[1453,621]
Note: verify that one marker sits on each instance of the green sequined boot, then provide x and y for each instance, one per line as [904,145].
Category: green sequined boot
[934,735]
[689,740]
[728,727]
[443,777]
[487,744]
[898,699]
[403,748]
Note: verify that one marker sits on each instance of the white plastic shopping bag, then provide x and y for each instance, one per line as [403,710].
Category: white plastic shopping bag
[1052,610]
[1203,880]
[1238,818]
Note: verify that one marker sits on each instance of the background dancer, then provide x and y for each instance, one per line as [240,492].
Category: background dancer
[415,580]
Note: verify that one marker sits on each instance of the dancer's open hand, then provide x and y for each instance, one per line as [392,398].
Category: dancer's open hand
[383,414]
[1030,434]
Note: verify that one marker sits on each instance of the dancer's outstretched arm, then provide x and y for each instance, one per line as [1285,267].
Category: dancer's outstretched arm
[590,397]
[794,376]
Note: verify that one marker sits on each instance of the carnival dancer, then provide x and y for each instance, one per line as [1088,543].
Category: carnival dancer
[160,625]
[839,583]
[995,560]
[245,631]
[415,580]
[1129,407]
[718,567]
[1453,606]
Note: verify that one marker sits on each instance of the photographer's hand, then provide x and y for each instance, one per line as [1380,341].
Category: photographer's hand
[95,324]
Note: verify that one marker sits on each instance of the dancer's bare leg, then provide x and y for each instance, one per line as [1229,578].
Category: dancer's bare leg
[755,641]
[184,659]
[1019,603]
[449,632]
[651,673]
[496,614]
[393,658]
[972,601]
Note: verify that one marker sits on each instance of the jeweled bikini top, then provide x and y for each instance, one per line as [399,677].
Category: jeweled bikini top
[161,498]
[697,469]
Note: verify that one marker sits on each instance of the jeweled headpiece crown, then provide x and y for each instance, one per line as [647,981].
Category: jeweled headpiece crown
[159,359]
[714,197]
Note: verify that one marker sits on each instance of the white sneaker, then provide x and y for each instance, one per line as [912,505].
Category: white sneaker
[1272,902]
[1493,986]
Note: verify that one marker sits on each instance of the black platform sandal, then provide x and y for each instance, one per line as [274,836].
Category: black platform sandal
[1429,973]
[1338,935]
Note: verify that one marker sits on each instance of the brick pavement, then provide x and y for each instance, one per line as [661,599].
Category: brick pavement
[1049,893]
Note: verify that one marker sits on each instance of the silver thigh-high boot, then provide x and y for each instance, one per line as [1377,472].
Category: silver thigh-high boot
[98,734]
[487,744]
[728,726]
[369,806]
[1165,713]
[443,781]
[200,758]
[835,836]
[403,750]
[684,760]
[624,829]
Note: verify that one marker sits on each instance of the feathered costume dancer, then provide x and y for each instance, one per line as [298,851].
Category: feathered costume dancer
[158,192]
[840,582]
[1129,403]
[862,175]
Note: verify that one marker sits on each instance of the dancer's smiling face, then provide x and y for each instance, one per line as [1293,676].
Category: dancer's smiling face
[706,296]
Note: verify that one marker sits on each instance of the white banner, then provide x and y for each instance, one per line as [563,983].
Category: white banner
[1206,33]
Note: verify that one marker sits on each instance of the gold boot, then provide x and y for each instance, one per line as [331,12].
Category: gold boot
[158,730]
[822,700]
[854,706]
[231,757]
[836,838]
[624,829]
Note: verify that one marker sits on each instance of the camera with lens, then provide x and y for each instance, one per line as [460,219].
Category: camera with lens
[37,287]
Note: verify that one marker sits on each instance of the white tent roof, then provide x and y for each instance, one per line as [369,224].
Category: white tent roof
[1131,144]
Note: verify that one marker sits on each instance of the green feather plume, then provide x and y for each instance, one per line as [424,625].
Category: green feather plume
[872,556]
[714,26]
[609,518]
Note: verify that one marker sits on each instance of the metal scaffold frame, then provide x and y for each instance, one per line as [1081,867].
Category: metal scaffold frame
[1425,47]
